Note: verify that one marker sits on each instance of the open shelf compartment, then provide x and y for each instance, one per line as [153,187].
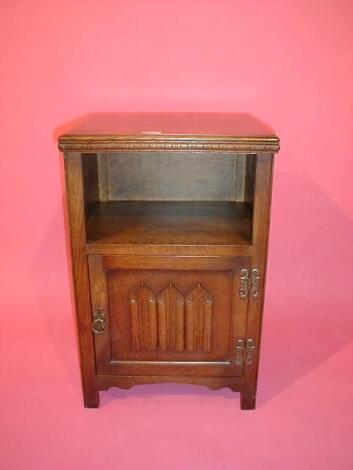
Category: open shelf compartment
[169,223]
[192,201]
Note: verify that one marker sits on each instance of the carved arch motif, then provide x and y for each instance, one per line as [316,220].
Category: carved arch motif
[143,318]
[198,319]
[171,321]
[170,307]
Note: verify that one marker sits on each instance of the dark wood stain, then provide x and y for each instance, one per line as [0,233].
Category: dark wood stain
[161,226]
[170,223]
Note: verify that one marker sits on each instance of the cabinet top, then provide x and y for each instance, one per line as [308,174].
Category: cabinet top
[240,132]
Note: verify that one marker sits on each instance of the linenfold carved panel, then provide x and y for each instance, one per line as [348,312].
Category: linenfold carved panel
[170,305]
[143,318]
[198,319]
[170,321]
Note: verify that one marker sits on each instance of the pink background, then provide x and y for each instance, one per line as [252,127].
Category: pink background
[289,63]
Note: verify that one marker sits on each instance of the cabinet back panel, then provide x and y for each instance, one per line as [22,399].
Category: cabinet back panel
[178,176]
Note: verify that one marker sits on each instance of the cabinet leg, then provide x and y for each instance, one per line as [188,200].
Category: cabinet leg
[247,402]
[91,400]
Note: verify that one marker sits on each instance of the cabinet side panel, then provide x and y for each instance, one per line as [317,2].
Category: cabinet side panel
[239,177]
[262,206]
[249,180]
[90,181]
[76,212]
[103,176]
[244,178]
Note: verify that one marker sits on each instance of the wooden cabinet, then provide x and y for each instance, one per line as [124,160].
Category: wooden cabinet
[169,217]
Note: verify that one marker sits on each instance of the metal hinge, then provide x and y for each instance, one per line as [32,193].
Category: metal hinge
[244,354]
[249,284]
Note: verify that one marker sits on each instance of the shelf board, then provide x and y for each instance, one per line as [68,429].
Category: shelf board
[154,227]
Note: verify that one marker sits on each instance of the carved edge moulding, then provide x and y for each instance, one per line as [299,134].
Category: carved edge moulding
[113,143]
[170,321]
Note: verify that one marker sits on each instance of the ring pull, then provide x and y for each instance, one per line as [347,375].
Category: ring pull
[99,321]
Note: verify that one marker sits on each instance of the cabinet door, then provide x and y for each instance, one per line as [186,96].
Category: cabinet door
[167,315]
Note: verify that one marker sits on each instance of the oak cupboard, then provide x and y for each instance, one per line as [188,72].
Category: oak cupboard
[169,219]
